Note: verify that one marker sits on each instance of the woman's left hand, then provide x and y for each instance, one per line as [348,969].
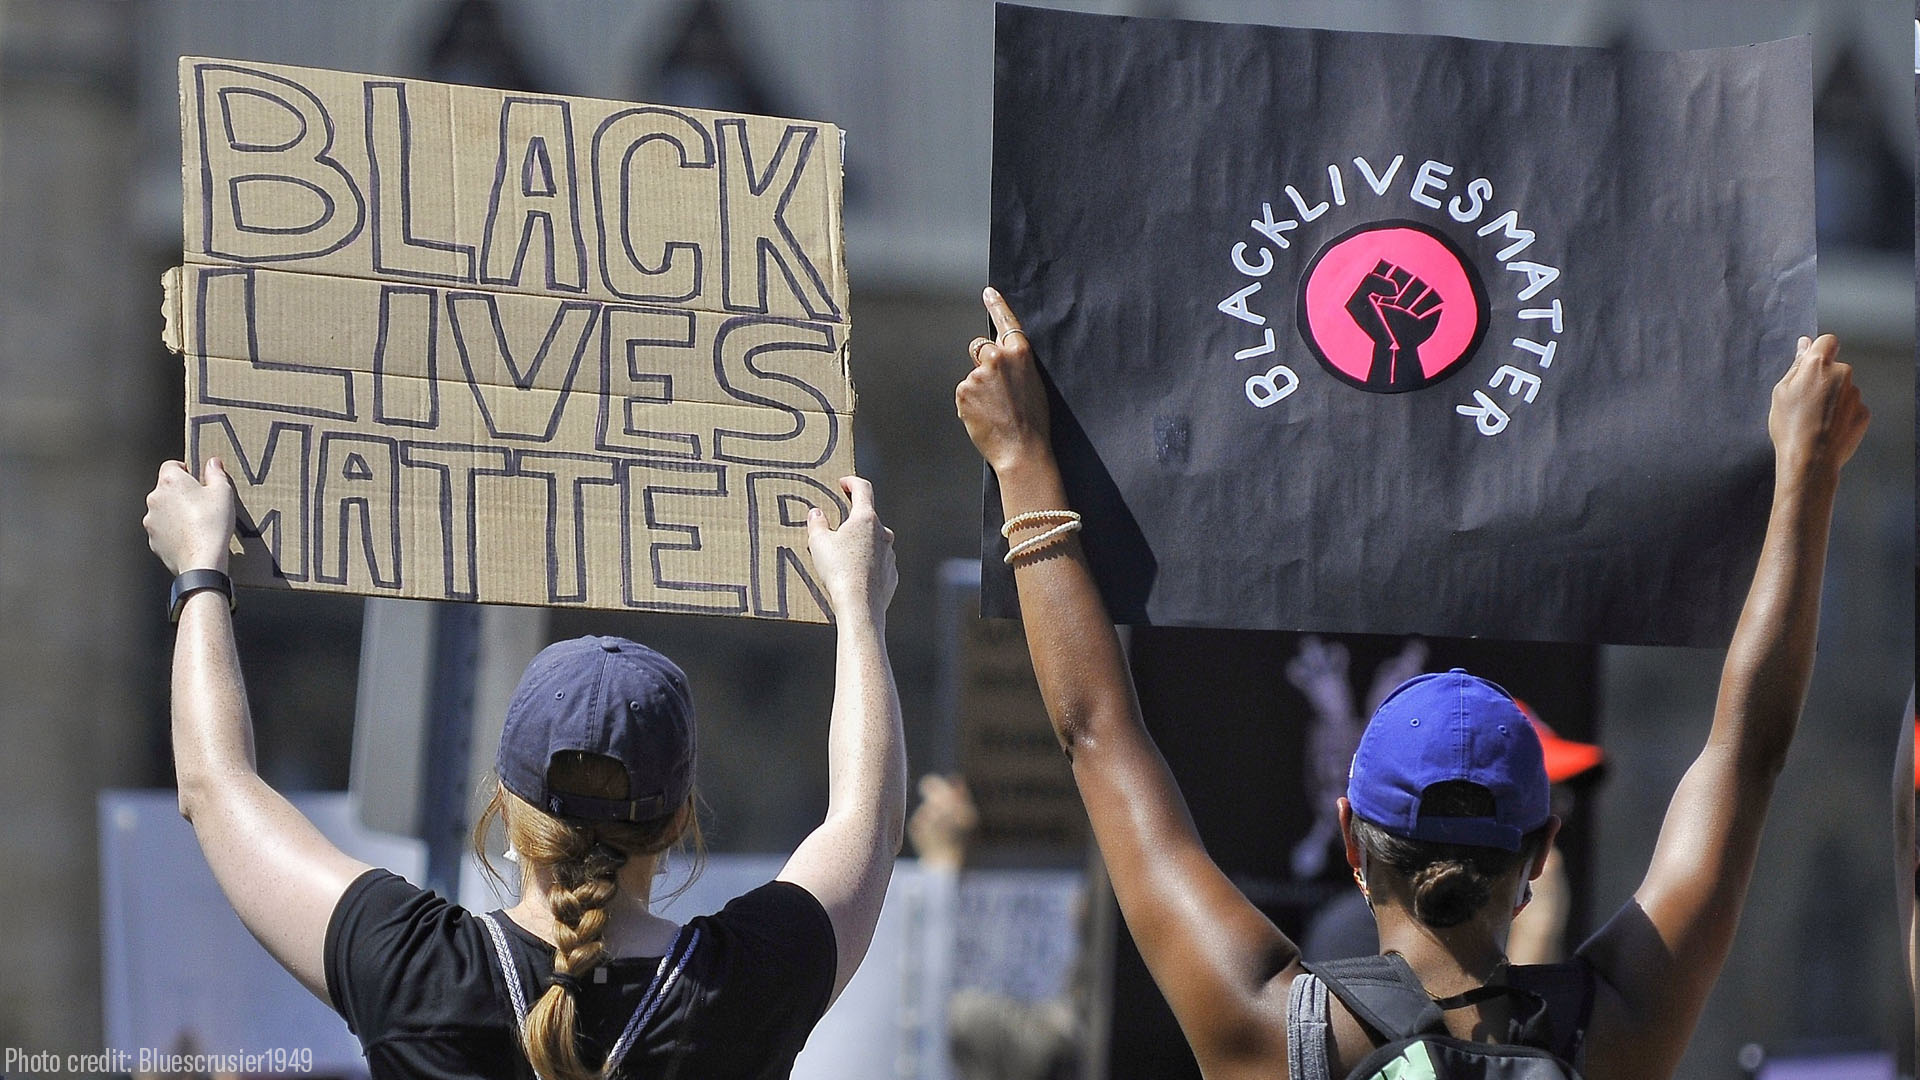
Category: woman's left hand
[189,522]
[855,561]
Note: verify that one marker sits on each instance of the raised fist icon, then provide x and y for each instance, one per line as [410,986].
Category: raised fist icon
[1399,312]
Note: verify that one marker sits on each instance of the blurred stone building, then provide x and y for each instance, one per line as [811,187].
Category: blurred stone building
[90,403]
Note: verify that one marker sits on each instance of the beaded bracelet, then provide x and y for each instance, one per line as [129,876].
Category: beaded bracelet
[1045,539]
[1036,517]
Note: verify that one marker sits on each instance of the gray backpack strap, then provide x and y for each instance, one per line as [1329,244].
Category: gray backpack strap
[1309,1029]
[1384,994]
[517,998]
[668,973]
[664,976]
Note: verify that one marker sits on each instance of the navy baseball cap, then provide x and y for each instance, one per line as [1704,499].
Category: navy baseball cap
[606,696]
[1453,726]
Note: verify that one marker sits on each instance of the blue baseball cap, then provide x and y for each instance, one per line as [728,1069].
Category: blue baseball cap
[606,696]
[1453,726]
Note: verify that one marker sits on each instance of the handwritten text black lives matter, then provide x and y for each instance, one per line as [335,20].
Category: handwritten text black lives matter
[458,343]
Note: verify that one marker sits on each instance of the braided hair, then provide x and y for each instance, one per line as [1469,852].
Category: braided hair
[585,859]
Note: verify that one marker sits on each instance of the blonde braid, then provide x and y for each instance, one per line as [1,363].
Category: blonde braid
[584,883]
[585,859]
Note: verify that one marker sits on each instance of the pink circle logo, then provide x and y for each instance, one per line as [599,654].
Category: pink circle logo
[1392,306]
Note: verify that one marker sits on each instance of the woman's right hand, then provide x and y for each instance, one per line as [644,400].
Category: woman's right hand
[855,561]
[190,520]
[1817,417]
[1002,400]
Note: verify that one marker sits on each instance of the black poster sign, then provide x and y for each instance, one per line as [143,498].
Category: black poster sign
[1399,334]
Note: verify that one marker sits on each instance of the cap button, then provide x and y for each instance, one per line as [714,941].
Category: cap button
[609,645]
[1457,671]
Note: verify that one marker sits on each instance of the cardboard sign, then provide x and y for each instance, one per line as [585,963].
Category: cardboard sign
[1397,334]
[463,344]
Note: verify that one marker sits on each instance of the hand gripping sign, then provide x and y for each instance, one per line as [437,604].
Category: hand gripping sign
[457,343]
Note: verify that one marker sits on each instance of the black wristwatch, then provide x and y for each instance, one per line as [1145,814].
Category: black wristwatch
[192,582]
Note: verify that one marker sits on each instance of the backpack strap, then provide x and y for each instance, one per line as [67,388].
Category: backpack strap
[516,998]
[1309,1028]
[664,976]
[1383,993]
[674,962]
[1553,1001]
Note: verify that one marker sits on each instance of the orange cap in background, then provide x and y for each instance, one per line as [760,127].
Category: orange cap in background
[1566,758]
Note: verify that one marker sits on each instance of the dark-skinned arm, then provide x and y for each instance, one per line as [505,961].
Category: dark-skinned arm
[1660,956]
[1222,965]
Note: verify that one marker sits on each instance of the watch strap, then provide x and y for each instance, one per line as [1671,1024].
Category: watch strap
[194,581]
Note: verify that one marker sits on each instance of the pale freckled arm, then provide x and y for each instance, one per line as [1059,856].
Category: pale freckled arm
[281,875]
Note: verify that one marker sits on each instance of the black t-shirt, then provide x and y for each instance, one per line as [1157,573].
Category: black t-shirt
[415,978]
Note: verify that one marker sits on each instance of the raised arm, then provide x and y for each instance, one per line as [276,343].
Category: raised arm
[1659,957]
[282,877]
[1212,953]
[847,861]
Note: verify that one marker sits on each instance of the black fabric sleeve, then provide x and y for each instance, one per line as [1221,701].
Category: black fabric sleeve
[783,962]
[392,958]
[344,928]
[1568,989]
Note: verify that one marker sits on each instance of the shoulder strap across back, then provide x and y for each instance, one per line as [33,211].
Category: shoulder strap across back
[664,976]
[1383,993]
[1554,1000]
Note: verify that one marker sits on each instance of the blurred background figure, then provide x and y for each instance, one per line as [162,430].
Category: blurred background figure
[1319,670]
[943,823]
[991,1035]
[994,1037]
